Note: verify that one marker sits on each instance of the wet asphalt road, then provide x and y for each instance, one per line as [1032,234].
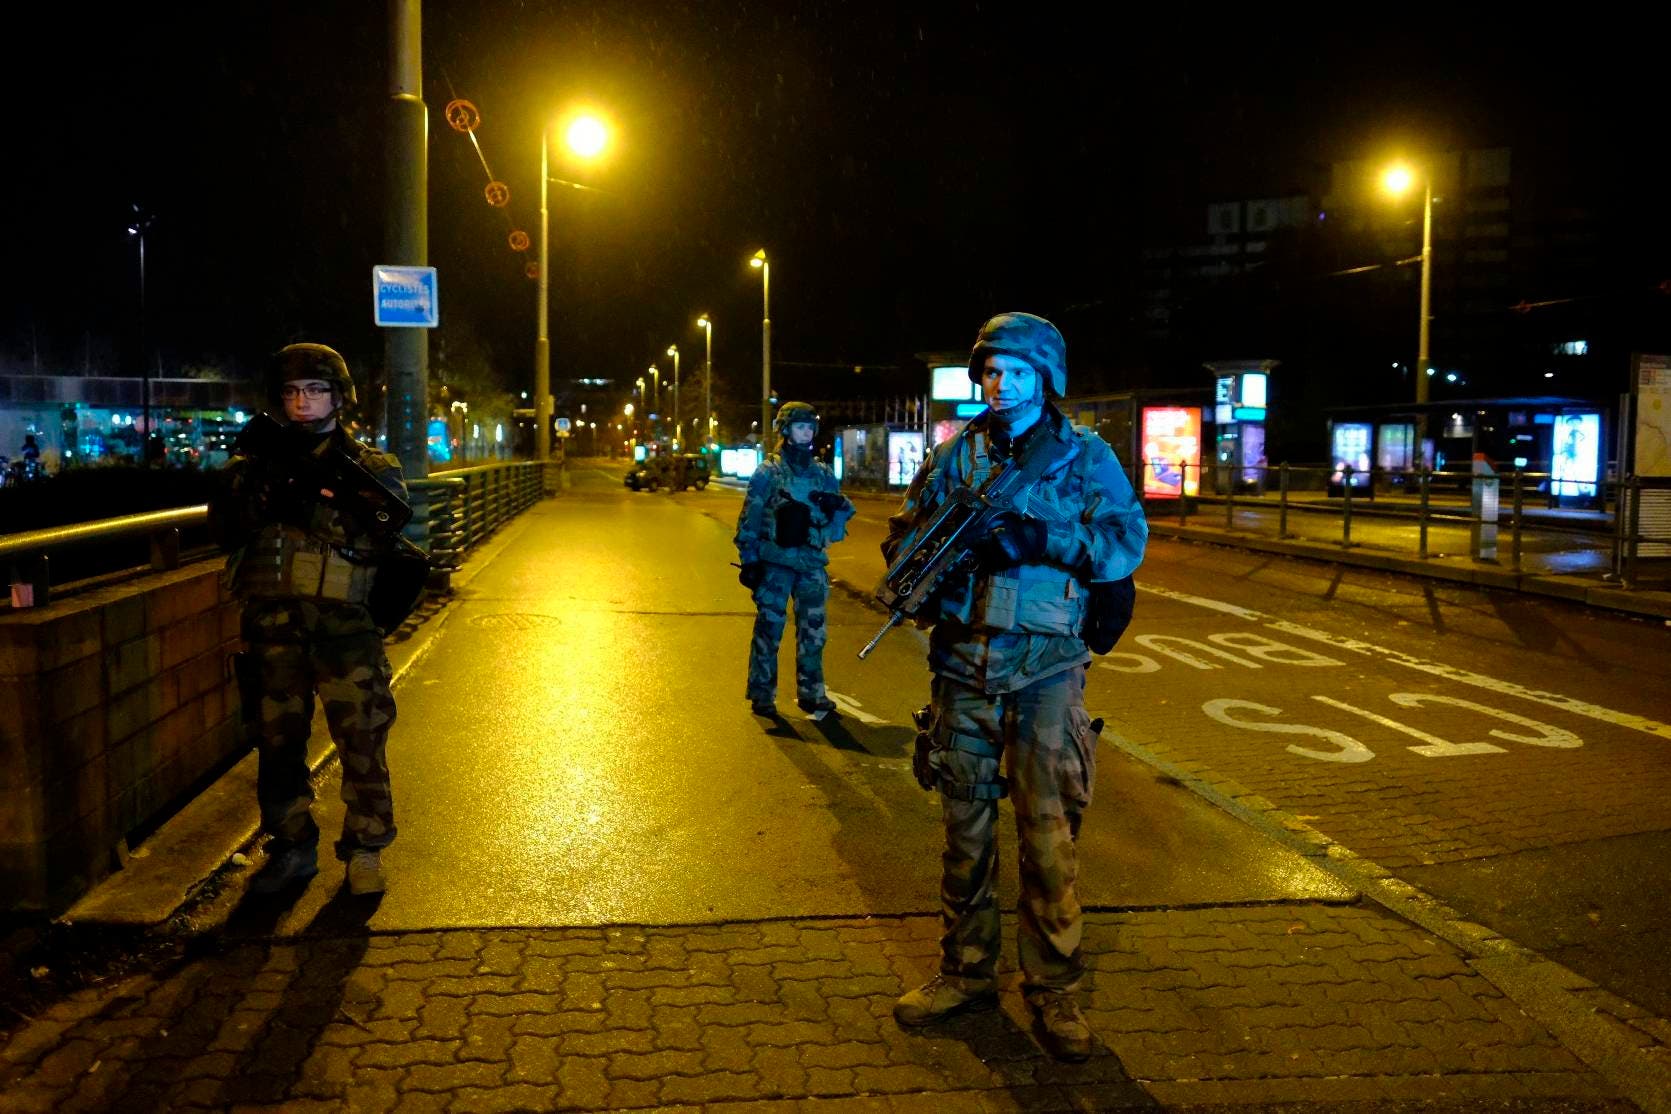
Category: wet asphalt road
[574,747]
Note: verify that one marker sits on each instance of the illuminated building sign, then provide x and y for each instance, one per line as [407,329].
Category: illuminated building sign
[951,383]
[1171,451]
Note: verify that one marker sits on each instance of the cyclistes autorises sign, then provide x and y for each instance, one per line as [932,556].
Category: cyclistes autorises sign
[405,297]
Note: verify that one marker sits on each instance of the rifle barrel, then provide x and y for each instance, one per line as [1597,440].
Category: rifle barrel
[893,621]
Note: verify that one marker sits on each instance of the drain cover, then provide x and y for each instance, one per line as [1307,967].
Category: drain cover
[512,620]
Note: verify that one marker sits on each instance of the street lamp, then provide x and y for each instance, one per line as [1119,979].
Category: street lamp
[759,260]
[586,136]
[655,382]
[1396,181]
[707,326]
[673,350]
[142,222]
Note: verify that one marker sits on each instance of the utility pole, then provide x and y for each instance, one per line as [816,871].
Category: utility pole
[406,235]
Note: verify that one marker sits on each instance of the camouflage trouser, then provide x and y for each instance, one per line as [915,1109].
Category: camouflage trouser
[334,651]
[1046,735]
[809,588]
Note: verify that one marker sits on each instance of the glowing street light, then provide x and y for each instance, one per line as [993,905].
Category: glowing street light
[586,136]
[759,260]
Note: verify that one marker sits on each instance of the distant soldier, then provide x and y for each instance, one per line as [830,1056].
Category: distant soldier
[305,570]
[1011,644]
[793,511]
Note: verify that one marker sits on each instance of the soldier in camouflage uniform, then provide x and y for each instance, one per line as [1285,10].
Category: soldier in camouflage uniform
[305,570]
[1009,657]
[793,511]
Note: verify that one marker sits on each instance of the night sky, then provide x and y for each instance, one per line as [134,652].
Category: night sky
[908,173]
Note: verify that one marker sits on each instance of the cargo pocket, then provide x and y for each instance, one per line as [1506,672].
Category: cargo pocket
[1082,734]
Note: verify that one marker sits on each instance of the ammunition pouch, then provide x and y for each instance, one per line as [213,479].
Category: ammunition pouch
[285,562]
[397,589]
[792,525]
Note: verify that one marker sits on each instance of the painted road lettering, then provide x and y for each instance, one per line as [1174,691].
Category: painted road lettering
[1253,645]
[1348,749]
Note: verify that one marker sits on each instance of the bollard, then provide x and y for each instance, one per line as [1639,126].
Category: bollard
[1282,501]
[165,549]
[1421,512]
[1346,516]
[1183,489]
[1514,544]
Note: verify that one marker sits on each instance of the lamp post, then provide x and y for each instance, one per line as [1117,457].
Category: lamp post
[1396,181]
[673,350]
[759,260]
[586,136]
[707,326]
[655,393]
[141,222]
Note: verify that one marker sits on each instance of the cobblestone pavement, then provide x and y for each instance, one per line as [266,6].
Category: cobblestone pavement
[1320,1006]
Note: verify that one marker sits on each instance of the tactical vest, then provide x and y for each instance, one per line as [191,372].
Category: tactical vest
[1032,598]
[283,561]
[789,485]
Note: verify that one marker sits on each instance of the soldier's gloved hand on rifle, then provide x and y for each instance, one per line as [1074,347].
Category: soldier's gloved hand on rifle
[1013,540]
[751,574]
[828,501]
[1109,614]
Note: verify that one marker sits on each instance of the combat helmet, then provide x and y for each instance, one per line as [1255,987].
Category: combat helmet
[794,412]
[311,361]
[1027,337]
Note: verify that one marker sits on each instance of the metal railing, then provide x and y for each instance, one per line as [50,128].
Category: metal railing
[455,512]
[1514,510]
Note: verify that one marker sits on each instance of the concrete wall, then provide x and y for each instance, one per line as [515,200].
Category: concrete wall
[113,703]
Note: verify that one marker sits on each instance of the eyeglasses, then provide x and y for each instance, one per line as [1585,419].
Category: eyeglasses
[312,391]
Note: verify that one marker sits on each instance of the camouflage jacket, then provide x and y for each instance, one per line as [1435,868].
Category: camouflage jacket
[1096,532]
[774,484]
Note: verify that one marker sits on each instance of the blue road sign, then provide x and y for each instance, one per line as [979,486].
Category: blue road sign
[405,297]
[563,425]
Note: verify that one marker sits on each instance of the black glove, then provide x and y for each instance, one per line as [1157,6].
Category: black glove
[1013,540]
[751,574]
[828,501]
[1109,614]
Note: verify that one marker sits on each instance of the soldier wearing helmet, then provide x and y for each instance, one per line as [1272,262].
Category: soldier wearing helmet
[794,510]
[1011,644]
[305,570]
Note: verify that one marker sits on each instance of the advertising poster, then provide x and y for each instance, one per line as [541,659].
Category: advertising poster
[1253,453]
[1575,459]
[1351,449]
[905,455]
[1171,451]
[1653,416]
[1396,452]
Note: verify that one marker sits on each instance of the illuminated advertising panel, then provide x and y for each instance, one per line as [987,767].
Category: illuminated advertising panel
[945,430]
[952,384]
[639,452]
[838,462]
[1254,389]
[1576,457]
[1351,448]
[1224,393]
[1171,451]
[1396,450]
[1253,453]
[905,455]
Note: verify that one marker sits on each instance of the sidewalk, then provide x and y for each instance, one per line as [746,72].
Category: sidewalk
[1308,1003]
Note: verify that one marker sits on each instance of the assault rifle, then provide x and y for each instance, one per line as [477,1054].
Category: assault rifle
[947,544]
[295,478]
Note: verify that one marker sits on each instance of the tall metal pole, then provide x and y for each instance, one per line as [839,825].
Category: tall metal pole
[765,351]
[406,351]
[542,342]
[144,358]
[678,434]
[1427,290]
[708,384]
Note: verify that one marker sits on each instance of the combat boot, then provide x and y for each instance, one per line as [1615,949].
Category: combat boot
[365,872]
[764,708]
[1062,1028]
[816,708]
[941,997]
[287,864]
